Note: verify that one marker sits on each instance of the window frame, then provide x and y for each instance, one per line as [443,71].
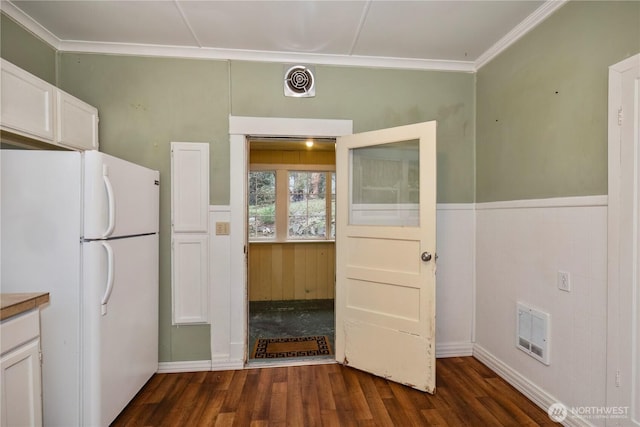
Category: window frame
[282,200]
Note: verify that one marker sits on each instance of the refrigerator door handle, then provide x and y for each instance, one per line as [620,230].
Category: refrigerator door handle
[110,267]
[111,202]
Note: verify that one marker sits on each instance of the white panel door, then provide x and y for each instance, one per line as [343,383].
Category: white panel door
[120,198]
[623,342]
[189,187]
[385,253]
[120,324]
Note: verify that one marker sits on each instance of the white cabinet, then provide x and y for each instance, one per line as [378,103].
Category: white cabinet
[20,371]
[189,232]
[190,270]
[33,111]
[77,123]
[189,187]
[27,104]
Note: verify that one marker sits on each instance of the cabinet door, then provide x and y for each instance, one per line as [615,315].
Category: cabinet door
[190,286]
[189,187]
[21,386]
[26,103]
[77,125]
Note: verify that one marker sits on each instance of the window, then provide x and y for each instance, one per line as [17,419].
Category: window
[262,205]
[310,215]
[288,204]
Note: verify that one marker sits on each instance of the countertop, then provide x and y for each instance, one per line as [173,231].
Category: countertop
[14,304]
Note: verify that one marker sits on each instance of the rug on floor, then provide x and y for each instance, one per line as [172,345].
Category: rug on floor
[275,348]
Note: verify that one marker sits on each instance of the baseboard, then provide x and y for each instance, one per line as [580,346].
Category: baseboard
[534,393]
[227,364]
[188,366]
[454,349]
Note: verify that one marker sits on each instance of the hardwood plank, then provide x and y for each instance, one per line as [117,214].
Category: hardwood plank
[278,407]
[468,393]
[261,404]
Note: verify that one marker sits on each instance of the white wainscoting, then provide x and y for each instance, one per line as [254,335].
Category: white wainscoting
[520,247]
[455,279]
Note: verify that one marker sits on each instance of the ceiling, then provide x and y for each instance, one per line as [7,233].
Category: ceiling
[452,35]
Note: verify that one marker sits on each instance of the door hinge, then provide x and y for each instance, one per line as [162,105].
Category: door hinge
[618,378]
[620,116]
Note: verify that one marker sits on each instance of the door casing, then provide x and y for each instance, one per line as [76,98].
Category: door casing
[240,127]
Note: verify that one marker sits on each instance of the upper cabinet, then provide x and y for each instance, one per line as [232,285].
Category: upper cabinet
[77,123]
[26,103]
[33,112]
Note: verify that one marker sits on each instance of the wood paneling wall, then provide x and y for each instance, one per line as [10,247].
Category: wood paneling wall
[291,271]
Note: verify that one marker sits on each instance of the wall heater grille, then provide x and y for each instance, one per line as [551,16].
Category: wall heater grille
[532,332]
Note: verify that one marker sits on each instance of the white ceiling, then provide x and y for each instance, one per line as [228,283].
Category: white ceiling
[456,35]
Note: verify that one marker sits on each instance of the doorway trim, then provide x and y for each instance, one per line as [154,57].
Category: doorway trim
[240,127]
[619,289]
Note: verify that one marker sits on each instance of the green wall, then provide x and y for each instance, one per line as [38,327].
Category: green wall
[145,103]
[375,99]
[542,104]
[28,52]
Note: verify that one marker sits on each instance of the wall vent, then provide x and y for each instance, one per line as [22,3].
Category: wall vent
[299,81]
[532,332]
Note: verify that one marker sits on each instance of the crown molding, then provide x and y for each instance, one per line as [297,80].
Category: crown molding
[29,23]
[264,56]
[528,24]
[194,52]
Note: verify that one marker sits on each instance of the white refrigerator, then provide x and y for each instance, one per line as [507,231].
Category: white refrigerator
[83,226]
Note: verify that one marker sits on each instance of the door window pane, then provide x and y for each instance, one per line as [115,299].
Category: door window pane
[385,184]
[262,205]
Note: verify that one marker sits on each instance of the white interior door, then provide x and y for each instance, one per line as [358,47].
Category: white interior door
[385,253]
[623,319]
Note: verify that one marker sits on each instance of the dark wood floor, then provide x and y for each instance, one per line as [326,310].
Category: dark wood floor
[467,393]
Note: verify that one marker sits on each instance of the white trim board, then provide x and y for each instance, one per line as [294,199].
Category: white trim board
[186,366]
[529,23]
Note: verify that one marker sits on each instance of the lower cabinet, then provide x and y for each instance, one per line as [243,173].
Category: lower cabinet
[20,374]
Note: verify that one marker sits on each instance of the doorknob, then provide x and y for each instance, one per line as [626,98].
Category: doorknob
[426,256]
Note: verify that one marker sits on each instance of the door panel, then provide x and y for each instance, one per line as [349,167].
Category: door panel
[385,293]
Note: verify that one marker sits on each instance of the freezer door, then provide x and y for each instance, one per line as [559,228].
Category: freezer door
[120,324]
[120,197]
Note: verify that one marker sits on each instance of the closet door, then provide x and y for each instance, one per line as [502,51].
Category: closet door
[189,232]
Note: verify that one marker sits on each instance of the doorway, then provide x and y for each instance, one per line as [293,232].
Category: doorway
[291,249]
[229,340]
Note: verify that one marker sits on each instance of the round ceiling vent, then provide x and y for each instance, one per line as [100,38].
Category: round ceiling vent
[299,81]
